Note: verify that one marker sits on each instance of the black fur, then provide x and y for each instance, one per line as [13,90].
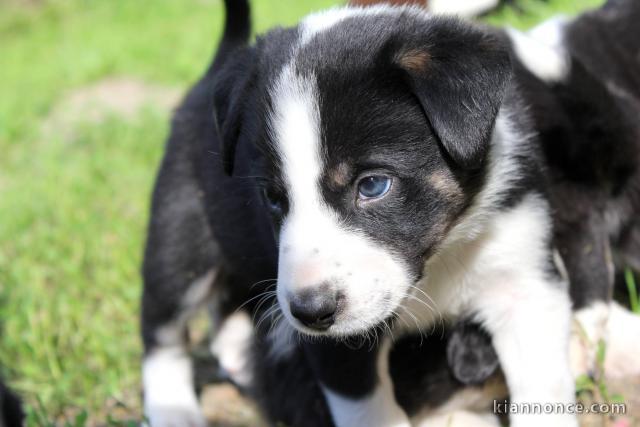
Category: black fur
[11,412]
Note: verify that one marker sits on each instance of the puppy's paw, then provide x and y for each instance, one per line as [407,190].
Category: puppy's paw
[169,395]
[623,344]
[588,329]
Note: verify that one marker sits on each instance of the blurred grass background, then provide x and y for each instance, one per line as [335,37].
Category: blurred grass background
[75,179]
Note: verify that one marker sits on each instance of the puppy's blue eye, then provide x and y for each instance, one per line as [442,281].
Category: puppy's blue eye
[373,186]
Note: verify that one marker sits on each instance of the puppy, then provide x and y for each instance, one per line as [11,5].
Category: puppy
[380,166]
[584,97]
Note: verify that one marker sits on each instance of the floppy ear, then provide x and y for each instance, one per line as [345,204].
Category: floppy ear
[230,100]
[459,74]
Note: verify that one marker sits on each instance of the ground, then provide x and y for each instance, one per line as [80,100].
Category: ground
[87,90]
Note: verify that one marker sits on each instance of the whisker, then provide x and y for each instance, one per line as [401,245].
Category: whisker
[272,310]
[262,302]
[264,281]
[261,294]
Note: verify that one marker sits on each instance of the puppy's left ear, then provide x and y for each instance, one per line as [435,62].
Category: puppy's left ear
[459,73]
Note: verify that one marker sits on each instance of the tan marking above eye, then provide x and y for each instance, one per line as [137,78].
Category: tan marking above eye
[445,184]
[339,175]
[416,61]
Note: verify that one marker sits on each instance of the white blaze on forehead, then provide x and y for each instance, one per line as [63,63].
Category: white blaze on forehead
[295,125]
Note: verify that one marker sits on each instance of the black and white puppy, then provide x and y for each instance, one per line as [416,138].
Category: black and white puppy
[581,81]
[383,163]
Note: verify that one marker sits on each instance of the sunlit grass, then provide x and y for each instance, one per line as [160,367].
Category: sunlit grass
[530,12]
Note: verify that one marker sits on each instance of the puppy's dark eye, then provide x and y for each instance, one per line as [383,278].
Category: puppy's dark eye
[373,187]
[273,201]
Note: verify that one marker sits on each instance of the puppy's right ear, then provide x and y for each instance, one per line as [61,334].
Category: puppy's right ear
[230,100]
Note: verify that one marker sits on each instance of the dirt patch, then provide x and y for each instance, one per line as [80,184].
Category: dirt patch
[224,406]
[113,96]
[629,390]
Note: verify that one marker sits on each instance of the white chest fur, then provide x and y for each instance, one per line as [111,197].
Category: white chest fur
[511,248]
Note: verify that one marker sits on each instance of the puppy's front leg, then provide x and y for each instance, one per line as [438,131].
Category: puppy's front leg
[529,321]
[357,384]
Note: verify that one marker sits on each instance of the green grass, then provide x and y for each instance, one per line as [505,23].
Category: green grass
[537,11]
[74,194]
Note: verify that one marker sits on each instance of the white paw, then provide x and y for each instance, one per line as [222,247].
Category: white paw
[169,396]
[623,344]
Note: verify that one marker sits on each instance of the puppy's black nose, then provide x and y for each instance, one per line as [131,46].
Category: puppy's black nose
[315,310]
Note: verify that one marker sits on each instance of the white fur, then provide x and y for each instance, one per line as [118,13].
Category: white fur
[465,8]
[315,247]
[232,345]
[542,50]
[169,396]
[378,409]
[551,32]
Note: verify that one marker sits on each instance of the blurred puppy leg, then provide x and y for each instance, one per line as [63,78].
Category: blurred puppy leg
[232,347]
[180,266]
